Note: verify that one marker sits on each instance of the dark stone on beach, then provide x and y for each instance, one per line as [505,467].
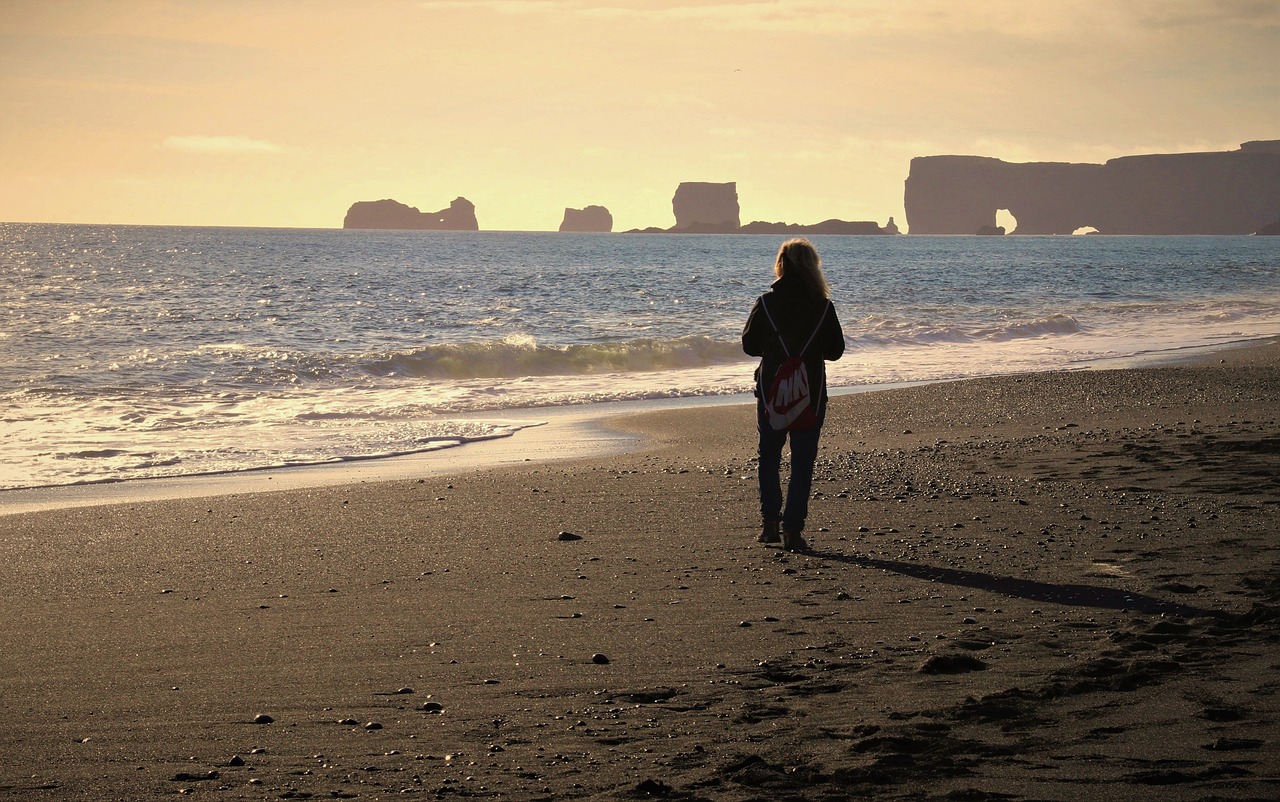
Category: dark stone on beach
[1222,713]
[235,760]
[184,776]
[647,696]
[432,707]
[373,725]
[263,718]
[951,664]
[405,690]
[1232,744]
[568,536]
[348,722]
[599,659]
[652,788]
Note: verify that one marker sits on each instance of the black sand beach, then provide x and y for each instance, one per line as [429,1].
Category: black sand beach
[1041,587]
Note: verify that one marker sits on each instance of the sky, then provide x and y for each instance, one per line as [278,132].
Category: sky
[285,112]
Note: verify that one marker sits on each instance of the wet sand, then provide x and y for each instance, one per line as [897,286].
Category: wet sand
[1052,586]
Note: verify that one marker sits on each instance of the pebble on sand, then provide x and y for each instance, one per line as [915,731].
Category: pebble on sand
[599,659]
[568,536]
[951,664]
[263,718]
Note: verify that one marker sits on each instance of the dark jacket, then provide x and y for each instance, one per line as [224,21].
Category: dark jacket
[796,313]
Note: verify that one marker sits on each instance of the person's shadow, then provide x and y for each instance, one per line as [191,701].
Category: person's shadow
[1076,595]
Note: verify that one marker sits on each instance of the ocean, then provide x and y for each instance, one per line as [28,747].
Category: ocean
[129,352]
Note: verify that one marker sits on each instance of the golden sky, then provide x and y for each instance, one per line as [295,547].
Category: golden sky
[284,112]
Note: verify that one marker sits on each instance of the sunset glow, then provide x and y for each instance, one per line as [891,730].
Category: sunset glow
[283,114]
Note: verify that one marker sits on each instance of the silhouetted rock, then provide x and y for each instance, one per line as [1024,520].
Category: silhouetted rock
[460,216]
[991,231]
[825,227]
[1232,192]
[703,208]
[891,227]
[590,219]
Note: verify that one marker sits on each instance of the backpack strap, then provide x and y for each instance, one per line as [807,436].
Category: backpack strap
[783,342]
[776,331]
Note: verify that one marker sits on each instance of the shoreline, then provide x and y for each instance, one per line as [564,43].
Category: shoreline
[574,432]
[1021,587]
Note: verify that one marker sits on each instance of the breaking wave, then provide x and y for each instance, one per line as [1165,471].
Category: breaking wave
[884,331]
[521,356]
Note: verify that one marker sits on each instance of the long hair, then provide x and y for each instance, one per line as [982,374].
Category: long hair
[798,258]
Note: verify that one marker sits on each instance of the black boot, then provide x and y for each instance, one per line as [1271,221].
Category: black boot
[793,541]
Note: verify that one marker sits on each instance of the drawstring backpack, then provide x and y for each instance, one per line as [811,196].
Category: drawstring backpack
[786,404]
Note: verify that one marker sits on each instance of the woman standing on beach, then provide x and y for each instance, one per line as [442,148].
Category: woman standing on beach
[795,318]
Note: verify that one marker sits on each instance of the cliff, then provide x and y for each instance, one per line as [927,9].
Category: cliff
[594,219]
[1231,192]
[704,208]
[460,216]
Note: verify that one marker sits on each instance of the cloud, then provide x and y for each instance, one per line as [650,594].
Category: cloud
[500,6]
[220,144]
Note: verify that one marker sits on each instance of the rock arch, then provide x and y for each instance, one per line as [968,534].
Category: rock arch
[1232,192]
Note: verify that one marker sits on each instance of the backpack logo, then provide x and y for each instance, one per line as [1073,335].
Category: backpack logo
[787,403]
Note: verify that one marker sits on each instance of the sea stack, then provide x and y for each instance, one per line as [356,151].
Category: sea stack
[390,214]
[592,219]
[703,208]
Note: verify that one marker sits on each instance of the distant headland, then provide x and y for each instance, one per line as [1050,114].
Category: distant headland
[699,207]
[1227,192]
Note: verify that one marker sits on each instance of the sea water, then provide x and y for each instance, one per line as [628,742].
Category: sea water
[130,352]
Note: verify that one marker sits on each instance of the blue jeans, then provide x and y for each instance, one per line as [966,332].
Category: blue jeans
[804,452]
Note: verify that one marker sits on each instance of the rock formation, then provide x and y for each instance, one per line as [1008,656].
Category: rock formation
[1231,192]
[825,227]
[460,216]
[703,208]
[594,219]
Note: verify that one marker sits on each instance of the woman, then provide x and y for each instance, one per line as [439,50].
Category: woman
[795,318]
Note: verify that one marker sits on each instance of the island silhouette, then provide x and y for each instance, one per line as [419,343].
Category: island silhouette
[1221,192]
